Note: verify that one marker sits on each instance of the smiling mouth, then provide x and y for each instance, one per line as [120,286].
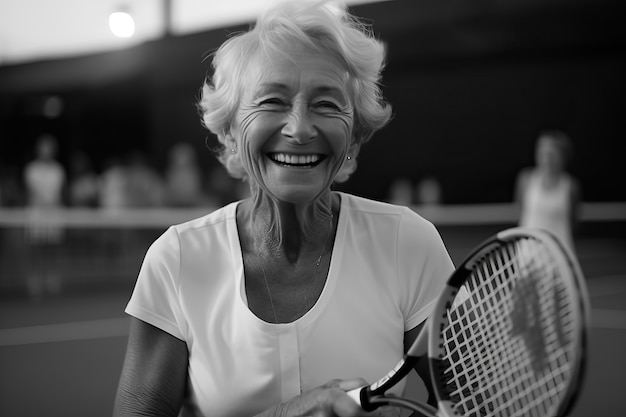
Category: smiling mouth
[292,160]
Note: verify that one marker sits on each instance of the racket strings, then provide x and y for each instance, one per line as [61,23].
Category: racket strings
[506,339]
[477,354]
[506,377]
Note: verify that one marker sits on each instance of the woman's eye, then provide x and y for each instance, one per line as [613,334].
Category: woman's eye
[328,105]
[275,101]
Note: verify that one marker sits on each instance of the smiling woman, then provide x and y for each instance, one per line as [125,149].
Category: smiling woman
[289,275]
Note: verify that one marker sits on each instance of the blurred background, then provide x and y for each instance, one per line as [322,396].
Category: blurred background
[113,101]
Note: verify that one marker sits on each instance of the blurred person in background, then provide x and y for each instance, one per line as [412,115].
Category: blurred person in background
[428,191]
[145,185]
[83,181]
[183,178]
[113,198]
[547,194]
[258,307]
[44,182]
[113,188]
[44,176]
[129,181]
[401,192]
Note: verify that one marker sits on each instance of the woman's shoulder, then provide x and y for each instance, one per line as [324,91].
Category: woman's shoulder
[356,203]
[204,226]
[214,217]
[407,216]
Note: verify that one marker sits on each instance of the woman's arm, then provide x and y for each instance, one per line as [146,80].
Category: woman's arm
[154,374]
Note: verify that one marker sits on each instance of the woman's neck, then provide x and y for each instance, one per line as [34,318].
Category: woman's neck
[284,229]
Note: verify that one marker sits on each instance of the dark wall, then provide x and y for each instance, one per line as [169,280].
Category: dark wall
[471,88]
[474,128]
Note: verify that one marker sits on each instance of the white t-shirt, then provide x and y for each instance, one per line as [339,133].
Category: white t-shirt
[388,266]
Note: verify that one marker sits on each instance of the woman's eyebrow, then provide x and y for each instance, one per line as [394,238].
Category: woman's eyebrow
[268,87]
[328,89]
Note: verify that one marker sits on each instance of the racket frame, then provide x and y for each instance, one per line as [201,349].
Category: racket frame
[438,318]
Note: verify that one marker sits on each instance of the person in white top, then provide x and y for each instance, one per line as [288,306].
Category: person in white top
[548,195]
[280,303]
[44,176]
[45,181]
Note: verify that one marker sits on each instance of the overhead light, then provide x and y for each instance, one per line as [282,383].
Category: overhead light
[122,24]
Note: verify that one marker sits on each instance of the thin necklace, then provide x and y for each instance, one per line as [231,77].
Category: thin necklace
[317,265]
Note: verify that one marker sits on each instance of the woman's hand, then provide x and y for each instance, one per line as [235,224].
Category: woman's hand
[328,400]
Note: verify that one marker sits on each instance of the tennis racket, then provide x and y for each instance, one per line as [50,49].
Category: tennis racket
[507,336]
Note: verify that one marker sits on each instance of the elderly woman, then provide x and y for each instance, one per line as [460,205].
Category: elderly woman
[280,303]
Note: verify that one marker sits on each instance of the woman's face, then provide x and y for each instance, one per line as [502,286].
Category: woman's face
[293,128]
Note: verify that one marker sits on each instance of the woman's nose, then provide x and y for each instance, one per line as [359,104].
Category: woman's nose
[299,125]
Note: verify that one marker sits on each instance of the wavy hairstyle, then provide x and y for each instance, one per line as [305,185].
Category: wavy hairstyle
[323,25]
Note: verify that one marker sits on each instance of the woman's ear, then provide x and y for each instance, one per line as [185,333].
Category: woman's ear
[349,165]
[229,142]
[353,150]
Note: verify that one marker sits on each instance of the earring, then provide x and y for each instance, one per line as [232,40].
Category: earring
[348,157]
[233,150]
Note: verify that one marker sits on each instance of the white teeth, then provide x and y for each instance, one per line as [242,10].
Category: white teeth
[295,159]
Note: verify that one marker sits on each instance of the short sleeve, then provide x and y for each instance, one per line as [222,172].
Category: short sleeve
[424,265]
[155,299]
